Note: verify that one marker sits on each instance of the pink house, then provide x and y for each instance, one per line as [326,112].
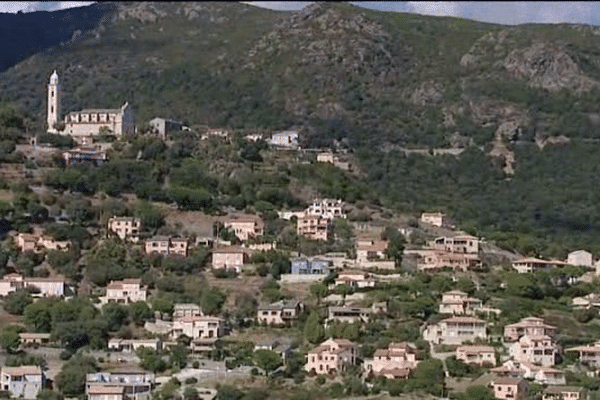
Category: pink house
[509,388]
[332,356]
[395,362]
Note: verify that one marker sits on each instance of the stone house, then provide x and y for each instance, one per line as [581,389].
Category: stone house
[22,382]
[125,227]
[456,330]
[280,312]
[332,356]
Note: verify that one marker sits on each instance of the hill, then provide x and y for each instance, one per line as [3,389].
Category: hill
[521,100]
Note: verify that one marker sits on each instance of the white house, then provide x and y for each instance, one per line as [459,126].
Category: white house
[125,292]
[456,330]
[580,258]
[287,139]
[22,382]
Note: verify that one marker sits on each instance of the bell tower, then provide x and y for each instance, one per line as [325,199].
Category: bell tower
[53,102]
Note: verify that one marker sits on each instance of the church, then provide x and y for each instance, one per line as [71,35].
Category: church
[86,123]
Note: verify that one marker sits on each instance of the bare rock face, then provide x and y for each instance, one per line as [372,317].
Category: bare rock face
[144,12]
[546,66]
[428,93]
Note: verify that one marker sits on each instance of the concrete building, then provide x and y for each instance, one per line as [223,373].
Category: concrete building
[125,292]
[482,355]
[125,227]
[198,327]
[310,266]
[535,349]
[395,362]
[331,357]
[167,246]
[370,250]
[457,244]
[135,385]
[131,345]
[162,127]
[22,382]
[287,139]
[85,155]
[456,330]
[326,208]
[245,228]
[437,219]
[509,388]
[580,258]
[47,287]
[229,259]
[532,326]
[314,227]
[280,312]
[186,310]
[459,303]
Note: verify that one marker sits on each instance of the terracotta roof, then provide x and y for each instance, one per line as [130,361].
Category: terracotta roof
[105,389]
[455,292]
[231,249]
[464,319]
[396,372]
[22,370]
[377,245]
[563,389]
[591,349]
[507,381]
[475,349]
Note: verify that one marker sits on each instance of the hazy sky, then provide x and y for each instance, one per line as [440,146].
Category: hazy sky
[499,12]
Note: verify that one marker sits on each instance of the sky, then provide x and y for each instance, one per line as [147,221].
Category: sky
[510,13]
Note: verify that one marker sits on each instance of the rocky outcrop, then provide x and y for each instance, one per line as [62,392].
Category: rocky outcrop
[429,93]
[545,65]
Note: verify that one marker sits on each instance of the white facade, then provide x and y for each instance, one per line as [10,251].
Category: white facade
[54,103]
[22,382]
[47,287]
[125,227]
[580,258]
[326,208]
[125,292]
[535,349]
[456,330]
[288,139]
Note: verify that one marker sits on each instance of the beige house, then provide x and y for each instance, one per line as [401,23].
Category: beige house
[314,227]
[131,345]
[528,326]
[476,354]
[432,261]
[532,264]
[395,362]
[332,356]
[509,388]
[456,330]
[458,303]
[101,392]
[198,327]
[47,287]
[229,258]
[125,292]
[356,279]
[589,355]
[22,382]
[164,245]
[535,349]
[457,244]
[246,228]
[279,313]
[564,393]
[125,227]
[369,250]
[435,219]
[34,338]
[37,243]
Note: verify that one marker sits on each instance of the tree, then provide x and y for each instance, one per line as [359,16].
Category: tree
[319,291]
[396,244]
[115,315]
[10,339]
[343,290]
[190,393]
[476,393]
[313,329]
[38,315]
[71,378]
[49,394]
[212,300]
[140,312]
[16,302]
[267,360]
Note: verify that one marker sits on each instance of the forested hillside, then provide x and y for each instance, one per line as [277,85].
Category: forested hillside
[523,103]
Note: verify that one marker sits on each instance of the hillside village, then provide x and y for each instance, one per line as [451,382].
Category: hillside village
[141,300]
[162,258]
